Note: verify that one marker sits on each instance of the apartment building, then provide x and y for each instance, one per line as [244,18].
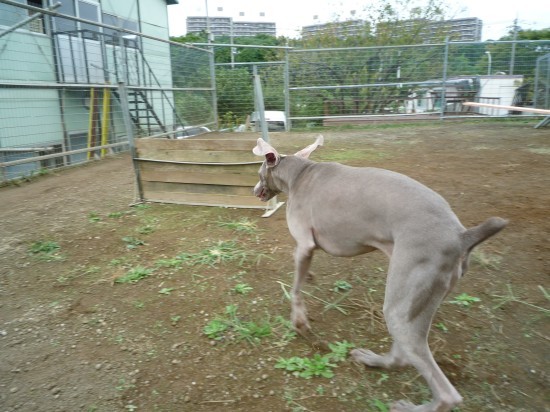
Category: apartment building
[465,29]
[226,26]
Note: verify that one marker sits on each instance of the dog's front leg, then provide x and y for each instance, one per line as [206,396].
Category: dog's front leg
[302,261]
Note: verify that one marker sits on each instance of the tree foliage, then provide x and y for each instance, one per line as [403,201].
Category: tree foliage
[370,74]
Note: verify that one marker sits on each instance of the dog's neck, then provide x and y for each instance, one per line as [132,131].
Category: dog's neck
[288,171]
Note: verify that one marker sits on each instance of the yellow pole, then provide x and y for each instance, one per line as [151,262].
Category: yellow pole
[106,119]
[91,121]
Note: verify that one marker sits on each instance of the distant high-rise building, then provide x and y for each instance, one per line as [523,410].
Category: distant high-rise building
[226,26]
[466,29]
[341,29]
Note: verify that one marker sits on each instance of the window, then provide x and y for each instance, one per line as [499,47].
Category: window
[84,10]
[111,36]
[88,11]
[61,25]
[37,25]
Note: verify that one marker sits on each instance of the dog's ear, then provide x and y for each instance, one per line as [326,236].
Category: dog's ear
[265,149]
[305,152]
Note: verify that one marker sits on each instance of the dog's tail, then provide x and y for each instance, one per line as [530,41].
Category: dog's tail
[477,234]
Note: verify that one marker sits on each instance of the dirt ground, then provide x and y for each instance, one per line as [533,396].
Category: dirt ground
[187,334]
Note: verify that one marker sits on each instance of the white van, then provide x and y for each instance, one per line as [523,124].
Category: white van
[276,120]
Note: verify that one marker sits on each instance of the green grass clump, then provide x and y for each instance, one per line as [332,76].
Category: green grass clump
[232,327]
[45,250]
[318,365]
[243,225]
[134,275]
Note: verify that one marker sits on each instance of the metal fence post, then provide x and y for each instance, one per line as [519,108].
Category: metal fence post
[288,125]
[444,85]
[213,86]
[259,103]
[123,95]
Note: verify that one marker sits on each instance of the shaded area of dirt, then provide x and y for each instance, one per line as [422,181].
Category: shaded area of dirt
[72,338]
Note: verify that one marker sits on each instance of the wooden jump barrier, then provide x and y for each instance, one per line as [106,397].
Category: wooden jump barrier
[543,122]
[207,170]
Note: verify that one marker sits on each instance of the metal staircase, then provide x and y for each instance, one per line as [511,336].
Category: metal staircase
[152,110]
[143,114]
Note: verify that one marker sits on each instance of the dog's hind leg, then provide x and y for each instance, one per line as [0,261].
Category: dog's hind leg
[412,298]
[302,262]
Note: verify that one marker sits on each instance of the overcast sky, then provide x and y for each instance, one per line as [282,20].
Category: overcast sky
[291,15]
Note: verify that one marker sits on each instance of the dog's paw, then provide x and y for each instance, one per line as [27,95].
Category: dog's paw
[300,322]
[366,357]
[403,406]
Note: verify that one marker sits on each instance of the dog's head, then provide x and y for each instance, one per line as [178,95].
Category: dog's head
[269,185]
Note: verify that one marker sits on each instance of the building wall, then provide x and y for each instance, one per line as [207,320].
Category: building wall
[53,115]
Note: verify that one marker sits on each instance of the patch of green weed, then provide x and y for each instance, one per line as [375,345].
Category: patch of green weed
[132,242]
[232,327]
[243,225]
[46,250]
[134,275]
[464,300]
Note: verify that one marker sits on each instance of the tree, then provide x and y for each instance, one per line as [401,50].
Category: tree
[369,64]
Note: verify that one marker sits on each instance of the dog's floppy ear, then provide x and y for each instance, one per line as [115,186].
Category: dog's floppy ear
[305,152]
[265,149]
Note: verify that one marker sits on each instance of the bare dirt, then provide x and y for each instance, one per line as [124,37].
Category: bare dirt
[73,338]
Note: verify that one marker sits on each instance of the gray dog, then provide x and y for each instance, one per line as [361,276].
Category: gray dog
[348,211]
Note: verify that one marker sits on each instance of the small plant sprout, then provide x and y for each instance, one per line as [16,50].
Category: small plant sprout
[222,252]
[317,365]
[341,286]
[242,288]
[175,319]
[169,263]
[232,327]
[243,225]
[441,326]
[134,275]
[340,350]
[166,291]
[464,300]
[45,250]
[132,242]
[307,367]
[145,229]
[383,378]
[380,406]
[46,247]
[215,329]
[93,217]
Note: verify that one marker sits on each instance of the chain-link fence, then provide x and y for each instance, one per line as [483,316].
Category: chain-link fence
[336,85]
[72,90]
[343,85]
[542,83]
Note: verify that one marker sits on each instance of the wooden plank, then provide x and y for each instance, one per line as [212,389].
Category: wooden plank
[511,108]
[249,168]
[205,199]
[197,188]
[196,144]
[199,178]
[198,156]
[234,175]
